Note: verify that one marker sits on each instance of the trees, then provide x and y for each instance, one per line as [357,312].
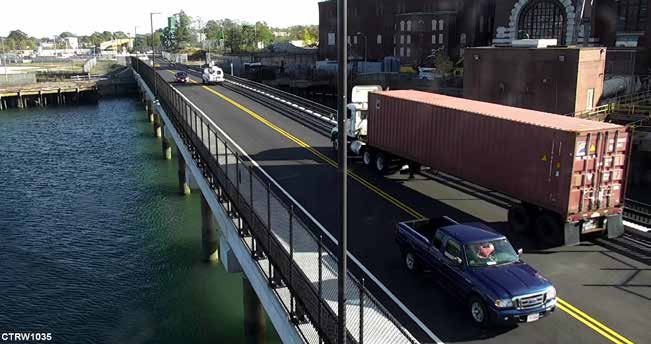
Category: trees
[182,36]
[18,40]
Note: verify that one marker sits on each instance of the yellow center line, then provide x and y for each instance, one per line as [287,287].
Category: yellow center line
[562,304]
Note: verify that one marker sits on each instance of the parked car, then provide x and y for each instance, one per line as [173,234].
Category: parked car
[480,266]
[182,77]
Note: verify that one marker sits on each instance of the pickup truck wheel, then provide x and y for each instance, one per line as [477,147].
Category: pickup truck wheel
[549,230]
[478,311]
[519,218]
[411,262]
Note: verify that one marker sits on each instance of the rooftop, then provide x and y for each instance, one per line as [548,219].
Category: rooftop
[470,233]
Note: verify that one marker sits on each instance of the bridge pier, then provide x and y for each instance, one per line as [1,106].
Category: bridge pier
[166,144]
[184,187]
[255,322]
[150,111]
[157,126]
[208,232]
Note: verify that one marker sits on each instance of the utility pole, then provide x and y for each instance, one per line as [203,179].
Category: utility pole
[153,61]
[342,167]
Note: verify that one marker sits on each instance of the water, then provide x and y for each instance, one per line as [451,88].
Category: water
[96,245]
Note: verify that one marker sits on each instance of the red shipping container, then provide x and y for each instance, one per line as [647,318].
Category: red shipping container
[573,167]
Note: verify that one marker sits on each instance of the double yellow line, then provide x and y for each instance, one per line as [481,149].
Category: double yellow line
[587,320]
[592,323]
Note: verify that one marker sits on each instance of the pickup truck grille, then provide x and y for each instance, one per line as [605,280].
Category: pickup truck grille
[530,301]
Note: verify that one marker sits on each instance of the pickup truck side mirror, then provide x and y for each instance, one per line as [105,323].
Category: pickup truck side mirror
[520,251]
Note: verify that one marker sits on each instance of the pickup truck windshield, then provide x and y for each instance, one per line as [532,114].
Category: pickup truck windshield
[490,253]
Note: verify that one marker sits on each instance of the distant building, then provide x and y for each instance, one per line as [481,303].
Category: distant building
[559,80]
[410,30]
[72,42]
[623,26]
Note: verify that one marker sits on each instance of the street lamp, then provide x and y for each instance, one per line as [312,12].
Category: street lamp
[153,58]
[342,167]
[365,48]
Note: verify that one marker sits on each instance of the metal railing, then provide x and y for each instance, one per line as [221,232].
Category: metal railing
[307,104]
[637,212]
[279,230]
[629,104]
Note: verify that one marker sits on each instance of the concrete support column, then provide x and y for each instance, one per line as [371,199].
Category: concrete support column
[255,324]
[184,187]
[150,111]
[158,128]
[208,232]
[166,144]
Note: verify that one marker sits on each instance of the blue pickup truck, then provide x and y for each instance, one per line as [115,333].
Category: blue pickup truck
[478,265]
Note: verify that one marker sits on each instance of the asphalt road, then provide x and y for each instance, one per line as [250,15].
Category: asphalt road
[607,294]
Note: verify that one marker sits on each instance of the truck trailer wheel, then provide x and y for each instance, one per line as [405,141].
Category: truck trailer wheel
[381,163]
[519,218]
[549,230]
[367,157]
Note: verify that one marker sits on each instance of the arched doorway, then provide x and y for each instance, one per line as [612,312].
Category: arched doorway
[543,19]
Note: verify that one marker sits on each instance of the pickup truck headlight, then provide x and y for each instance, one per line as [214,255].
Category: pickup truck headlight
[551,293]
[503,303]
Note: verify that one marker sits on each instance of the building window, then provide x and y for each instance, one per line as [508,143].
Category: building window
[408,39]
[408,25]
[349,39]
[543,19]
[355,39]
[402,8]
[402,39]
[481,23]
[433,39]
[402,25]
[408,52]
[440,38]
[331,38]
[589,99]
[434,24]
[379,39]
[462,39]
[632,15]
[394,39]
[441,23]
[402,51]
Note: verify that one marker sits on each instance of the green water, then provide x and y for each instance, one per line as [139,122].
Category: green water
[98,246]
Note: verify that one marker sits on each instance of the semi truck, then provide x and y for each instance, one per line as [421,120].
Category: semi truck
[568,173]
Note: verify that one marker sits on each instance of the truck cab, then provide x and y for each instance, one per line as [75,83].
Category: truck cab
[356,118]
[480,267]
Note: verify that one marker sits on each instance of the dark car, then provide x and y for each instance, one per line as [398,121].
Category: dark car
[480,266]
[182,77]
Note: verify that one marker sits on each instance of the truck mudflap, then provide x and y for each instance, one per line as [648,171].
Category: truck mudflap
[572,230]
[615,226]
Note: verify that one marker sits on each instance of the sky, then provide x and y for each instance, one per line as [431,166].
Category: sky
[45,18]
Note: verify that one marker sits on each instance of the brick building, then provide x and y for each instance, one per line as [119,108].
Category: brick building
[408,29]
[623,26]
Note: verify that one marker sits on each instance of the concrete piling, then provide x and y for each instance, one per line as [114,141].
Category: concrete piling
[150,111]
[255,324]
[166,144]
[158,128]
[208,232]
[184,187]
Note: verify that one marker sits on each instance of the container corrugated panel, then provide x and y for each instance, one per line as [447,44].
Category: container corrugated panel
[572,166]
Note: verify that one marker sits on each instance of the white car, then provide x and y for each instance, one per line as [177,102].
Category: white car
[213,75]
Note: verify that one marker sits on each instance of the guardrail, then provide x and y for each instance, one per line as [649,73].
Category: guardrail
[279,229]
[307,105]
[637,212]
[627,104]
